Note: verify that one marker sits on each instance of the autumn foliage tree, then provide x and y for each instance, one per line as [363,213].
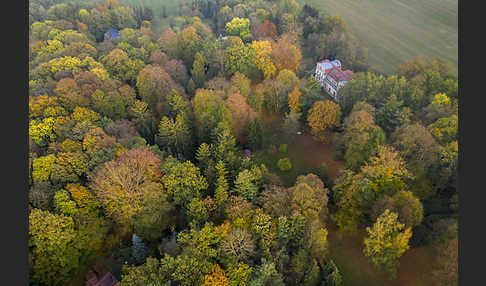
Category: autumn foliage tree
[322,116]
[310,197]
[386,242]
[70,94]
[263,60]
[356,193]
[293,100]
[285,55]
[242,114]
[209,111]
[239,58]
[198,70]
[239,27]
[183,182]
[153,84]
[120,185]
[217,278]
[55,247]
[169,43]
[361,137]
[265,30]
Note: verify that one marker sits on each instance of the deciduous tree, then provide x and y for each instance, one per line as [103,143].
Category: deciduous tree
[177,71]
[309,197]
[239,274]
[55,247]
[239,244]
[392,115]
[168,43]
[386,242]
[361,138]
[265,30]
[153,84]
[241,114]
[444,129]
[239,58]
[286,55]
[239,27]
[209,111]
[120,184]
[217,278]
[263,60]
[183,181]
[322,116]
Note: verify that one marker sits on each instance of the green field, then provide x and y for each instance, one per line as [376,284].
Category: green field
[159,23]
[397,30]
[392,30]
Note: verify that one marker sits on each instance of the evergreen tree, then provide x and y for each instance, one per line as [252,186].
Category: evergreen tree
[255,134]
[198,71]
[139,250]
[221,192]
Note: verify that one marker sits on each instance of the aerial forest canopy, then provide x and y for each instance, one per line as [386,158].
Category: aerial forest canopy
[147,150]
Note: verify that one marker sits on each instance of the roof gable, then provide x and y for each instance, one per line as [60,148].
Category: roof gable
[113,33]
[336,63]
[327,65]
[338,75]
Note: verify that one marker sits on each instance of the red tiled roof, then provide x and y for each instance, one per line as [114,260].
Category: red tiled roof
[337,74]
[107,280]
[348,74]
[92,281]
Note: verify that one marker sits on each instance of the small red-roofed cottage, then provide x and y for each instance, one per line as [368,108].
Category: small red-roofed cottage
[331,77]
[107,280]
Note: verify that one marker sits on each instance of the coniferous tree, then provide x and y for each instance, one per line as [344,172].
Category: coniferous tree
[139,250]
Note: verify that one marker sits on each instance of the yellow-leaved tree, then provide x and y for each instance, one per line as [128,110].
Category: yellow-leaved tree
[293,99]
[263,59]
[386,242]
[322,116]
[217,278]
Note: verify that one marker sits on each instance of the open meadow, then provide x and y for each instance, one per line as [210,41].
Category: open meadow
[397,30]
[159,23]
[393,31]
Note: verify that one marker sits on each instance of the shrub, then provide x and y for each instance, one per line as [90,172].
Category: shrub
[283,148]
[284,164]
[323,172]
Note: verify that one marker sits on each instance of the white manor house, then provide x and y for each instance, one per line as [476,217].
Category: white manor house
[331,77]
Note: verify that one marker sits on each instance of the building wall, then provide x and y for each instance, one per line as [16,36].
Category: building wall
[321,78]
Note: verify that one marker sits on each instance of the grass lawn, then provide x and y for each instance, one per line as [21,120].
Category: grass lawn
[347,252]
[393,30]
[306,155]
[159,23]
[397,30]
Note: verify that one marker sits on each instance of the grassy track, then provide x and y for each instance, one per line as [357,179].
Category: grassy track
[398,30]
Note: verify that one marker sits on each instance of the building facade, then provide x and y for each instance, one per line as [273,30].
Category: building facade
[331,77]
